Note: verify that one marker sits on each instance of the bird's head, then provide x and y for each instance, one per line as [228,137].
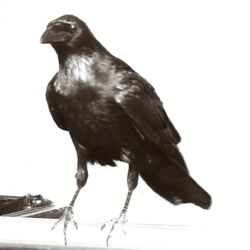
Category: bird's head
[68,33]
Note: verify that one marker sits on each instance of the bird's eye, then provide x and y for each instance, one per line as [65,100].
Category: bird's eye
[70,27]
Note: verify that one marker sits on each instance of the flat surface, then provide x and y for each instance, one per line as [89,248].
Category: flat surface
[29,233]
[11,246]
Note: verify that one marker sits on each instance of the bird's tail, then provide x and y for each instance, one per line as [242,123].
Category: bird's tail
[172,181]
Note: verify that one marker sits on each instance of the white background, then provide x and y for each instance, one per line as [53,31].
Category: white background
[197,56]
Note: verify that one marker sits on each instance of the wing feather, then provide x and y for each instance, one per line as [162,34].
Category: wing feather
[53,107]
[142,105]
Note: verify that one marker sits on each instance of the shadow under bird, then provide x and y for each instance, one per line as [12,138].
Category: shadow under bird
[114,114]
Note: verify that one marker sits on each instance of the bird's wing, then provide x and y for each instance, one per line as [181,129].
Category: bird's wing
[53,108]
[141,103]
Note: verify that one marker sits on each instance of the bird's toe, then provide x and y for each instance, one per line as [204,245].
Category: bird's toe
[112,224]
[66,218]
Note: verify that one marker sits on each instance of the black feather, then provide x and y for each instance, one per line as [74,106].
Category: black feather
[115,114]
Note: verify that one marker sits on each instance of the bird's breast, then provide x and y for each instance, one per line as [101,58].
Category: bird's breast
[87,70]
[76,70]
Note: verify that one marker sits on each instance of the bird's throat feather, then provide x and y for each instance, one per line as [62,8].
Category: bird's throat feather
[75,70]
[91,70]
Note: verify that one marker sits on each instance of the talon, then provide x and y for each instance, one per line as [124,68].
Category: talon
[121,219]
[123,227]
[65,238]
[75,224]
[103,226]
[56,223]
[107,240]
[67,217]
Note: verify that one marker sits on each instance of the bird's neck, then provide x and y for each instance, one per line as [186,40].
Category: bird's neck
[84,68]
[89,47]
[74,70]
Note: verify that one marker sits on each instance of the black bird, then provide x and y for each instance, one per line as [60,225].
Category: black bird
[114,114]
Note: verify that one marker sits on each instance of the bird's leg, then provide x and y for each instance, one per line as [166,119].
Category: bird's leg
[68,216]
[132,180]
[81,177]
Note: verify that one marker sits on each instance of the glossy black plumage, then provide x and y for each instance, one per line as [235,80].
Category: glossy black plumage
[112,113]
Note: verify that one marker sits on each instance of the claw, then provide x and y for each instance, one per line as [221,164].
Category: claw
[75,224]
[65,238]
[67,217]
[57,222]
[107,240]
[121,219]
[103,226]
[123,226]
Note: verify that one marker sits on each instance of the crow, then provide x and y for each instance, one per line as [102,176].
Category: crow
[113,114]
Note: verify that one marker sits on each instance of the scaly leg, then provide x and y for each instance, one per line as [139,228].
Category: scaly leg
[121,219]
[81,177]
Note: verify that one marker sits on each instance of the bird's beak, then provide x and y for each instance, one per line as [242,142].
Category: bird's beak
[51,35]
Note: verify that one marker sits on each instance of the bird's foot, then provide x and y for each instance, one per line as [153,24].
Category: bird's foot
[67,217]
[120,220]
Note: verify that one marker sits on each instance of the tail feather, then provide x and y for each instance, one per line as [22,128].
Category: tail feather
[172,182]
